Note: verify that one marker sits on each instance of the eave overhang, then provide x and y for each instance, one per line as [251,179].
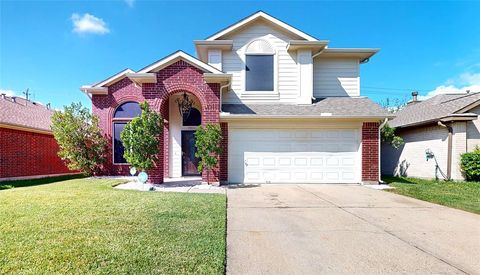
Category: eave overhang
[94,90]
[327,116]
[141,78]
[314,46]
[202,47]
[25,128]
[217,78]
[449,118]
[360,53]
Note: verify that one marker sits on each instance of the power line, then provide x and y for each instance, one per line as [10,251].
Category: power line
[396,89]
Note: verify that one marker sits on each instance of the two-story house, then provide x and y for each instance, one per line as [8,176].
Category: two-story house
[289,107]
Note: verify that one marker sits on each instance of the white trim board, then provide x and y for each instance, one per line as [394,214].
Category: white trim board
[265,16]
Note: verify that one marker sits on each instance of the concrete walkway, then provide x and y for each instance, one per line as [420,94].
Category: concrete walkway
[346,229]
[183,185]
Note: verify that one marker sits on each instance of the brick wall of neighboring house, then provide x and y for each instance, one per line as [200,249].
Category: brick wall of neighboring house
[176,78]
[26,154]
[370,169]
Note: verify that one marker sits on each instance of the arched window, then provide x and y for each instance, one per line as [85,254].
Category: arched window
[123,114]
[259,64]
[128,110]
[193,119]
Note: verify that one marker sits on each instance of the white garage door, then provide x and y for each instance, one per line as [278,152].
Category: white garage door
[294,156]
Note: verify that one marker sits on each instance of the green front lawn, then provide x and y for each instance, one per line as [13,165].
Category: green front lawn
[85,226]
[461,195]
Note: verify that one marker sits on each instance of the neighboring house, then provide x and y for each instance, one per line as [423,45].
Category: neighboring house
[289,107]
[27,146]
[446,125]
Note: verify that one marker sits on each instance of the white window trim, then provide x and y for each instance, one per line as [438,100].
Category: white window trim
[243,57]
[119,120]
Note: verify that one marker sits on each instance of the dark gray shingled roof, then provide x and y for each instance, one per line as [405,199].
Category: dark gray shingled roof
[23,113]
[337,106]
[437,107]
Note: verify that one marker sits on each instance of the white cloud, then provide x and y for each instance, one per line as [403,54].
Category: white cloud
[130,3]
[458,85]
[8,92]
[88,23]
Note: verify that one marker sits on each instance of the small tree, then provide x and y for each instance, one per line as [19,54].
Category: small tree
[387,134]
[207,141]
[81,143]
[140,138]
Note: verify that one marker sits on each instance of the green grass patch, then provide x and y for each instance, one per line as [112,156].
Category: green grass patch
[85,226]
[33,182]
[461,195]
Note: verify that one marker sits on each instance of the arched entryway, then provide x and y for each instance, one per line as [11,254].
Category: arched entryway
[179,139]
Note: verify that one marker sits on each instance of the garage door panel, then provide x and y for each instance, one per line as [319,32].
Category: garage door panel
[294,156]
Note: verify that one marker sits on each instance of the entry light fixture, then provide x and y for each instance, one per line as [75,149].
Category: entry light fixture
[184,105]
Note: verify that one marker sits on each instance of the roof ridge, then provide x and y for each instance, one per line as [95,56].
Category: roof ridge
[461,96]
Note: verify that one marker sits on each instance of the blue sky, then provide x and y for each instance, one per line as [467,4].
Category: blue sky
[432,47]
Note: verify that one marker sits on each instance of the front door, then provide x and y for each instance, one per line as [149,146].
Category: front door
[189,161]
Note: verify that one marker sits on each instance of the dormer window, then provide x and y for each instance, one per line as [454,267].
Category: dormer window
[259,64]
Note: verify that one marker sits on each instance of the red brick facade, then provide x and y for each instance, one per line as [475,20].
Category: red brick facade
[176,78]
[26,154]
[180,77]
[223,177]
[370,171]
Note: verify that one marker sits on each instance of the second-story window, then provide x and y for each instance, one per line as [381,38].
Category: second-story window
[259,66]
[259,72]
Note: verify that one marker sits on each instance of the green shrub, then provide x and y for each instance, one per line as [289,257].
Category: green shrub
[140,138]
[207,141]
[470,164]
[82,145]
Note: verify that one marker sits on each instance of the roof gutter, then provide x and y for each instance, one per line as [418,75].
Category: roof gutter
[449,118]
[225,115]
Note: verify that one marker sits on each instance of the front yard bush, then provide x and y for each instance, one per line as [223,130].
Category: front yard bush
[470,164]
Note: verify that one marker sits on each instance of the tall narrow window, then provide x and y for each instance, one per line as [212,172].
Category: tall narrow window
[259,72]
[259,66]
[123,114]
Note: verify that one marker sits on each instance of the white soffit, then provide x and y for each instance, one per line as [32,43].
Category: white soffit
[360,53]
[202,47]
[114,78]
[316,46]
[141,78]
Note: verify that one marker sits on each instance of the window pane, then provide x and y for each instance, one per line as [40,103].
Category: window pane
[193,119]
[259,73]
[128,109]
[118,148]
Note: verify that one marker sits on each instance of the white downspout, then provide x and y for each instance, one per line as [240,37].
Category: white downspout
[379,150]
[221,91]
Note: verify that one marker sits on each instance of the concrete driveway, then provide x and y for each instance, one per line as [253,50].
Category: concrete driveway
[346,229]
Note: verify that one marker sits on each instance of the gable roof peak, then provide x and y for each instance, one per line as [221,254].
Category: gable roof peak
[263,15]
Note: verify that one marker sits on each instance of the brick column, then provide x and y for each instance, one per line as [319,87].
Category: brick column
[156,174]
[223,173]
[370,172]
